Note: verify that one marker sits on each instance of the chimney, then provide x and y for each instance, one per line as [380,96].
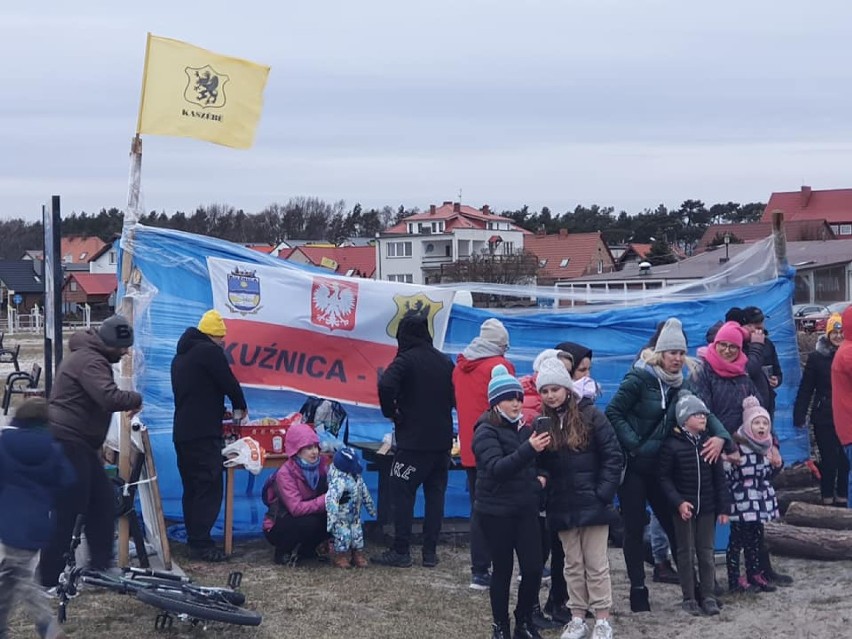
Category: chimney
[432,209]
[563,232]
[457,207]
[486,210]
[447,202]
[805,196]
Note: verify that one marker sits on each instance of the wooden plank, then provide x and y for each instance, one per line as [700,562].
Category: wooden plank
[154,487]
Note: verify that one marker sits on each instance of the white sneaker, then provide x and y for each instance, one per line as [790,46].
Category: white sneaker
[602,630]
[575,629]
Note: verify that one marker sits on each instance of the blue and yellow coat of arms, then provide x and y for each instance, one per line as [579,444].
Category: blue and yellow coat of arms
[244,291]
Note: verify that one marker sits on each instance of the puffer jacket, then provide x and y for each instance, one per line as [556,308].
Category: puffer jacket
[816,385]
[416,390]
[724,395]
[760,355]
[581,484]
[84,394]
[643,416]
[289,488]
[685,476]
[532,400]
[470,381]
[506,478]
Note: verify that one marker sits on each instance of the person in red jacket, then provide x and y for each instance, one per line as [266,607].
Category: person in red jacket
[470,380]
[841,393]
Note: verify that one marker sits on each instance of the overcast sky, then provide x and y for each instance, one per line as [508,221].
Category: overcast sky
[550,102]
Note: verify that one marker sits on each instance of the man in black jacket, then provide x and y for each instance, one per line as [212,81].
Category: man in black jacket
[416,392]
[201,378]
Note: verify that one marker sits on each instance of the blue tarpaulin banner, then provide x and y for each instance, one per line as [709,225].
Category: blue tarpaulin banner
[171,288]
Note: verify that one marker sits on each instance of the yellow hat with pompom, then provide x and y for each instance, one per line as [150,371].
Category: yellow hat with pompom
[834,323]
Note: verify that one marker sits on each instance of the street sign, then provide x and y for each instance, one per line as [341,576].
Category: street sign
[17,299]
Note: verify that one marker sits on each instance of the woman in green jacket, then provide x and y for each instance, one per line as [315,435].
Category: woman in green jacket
[642,413]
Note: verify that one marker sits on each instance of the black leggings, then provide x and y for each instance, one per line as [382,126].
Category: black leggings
[833,465]
[637,490]
[305,532]
[746,537]
[507,536]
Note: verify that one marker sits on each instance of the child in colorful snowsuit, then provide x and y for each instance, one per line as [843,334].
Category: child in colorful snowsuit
[347,494]
[753,498]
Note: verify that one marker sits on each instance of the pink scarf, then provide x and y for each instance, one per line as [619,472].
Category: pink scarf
[724,368]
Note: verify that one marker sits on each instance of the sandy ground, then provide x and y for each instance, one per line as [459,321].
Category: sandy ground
[317,600]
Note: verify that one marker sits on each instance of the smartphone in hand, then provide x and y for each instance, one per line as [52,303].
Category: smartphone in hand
[542,424]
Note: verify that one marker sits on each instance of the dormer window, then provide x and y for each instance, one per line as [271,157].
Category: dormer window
[565,262]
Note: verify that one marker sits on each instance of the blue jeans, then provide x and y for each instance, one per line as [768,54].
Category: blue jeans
[848,449]
[658,540]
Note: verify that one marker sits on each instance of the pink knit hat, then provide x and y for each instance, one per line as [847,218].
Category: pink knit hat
[751,410]
[732,333]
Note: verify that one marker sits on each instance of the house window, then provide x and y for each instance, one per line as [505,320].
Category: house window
[399,249]
[564,263]
[112,257]
[68,259]
[73,286]
[846,229]
[405,278]
[600,266]
[508,248]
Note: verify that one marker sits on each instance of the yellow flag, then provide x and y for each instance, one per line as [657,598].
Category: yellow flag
[195,93]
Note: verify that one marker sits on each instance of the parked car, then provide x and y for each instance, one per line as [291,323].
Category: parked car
[806,316]
[822,321]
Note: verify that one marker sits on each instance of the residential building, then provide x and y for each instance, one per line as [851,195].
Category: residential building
[351,261]
[106,259]
[17,278]
[565,256]
[415,249]
[95,289]
[750,232]
[832,205]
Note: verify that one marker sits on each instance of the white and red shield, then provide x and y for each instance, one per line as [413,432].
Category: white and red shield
[333,303]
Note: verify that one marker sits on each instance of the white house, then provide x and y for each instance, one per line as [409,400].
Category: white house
[105,260]
[414,250]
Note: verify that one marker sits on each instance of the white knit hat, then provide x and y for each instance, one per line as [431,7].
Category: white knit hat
[553,371]
[547,353]
[493,331]
[671,337]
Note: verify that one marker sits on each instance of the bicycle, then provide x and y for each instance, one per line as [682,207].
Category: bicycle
[176,597]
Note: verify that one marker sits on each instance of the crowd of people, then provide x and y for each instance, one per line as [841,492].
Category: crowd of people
[684,444]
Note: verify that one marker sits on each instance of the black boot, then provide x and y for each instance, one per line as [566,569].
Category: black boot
[665,573]
[500,630]
[542,621]
[776,578]
[559,612]
[525,628]
[639,600]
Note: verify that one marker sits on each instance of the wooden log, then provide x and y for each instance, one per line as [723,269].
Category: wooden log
[806,495]
[794,477]
[801,514]
[810,543]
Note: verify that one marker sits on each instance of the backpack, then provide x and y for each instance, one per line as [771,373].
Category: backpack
[271,499]
[327,413]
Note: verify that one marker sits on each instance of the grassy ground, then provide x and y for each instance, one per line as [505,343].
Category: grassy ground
[316,601]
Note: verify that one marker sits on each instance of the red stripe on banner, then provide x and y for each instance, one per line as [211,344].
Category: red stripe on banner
[327,365]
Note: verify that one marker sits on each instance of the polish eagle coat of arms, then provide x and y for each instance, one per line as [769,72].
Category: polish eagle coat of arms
[333,303]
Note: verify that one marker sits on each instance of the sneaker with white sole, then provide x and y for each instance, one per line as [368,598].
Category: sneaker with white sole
[480,581]
[602,630]
[575,629]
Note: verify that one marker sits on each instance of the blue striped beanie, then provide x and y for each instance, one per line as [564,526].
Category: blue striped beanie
[503,386]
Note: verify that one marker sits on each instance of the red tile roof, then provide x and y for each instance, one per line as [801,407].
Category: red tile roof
[833,205]
[580,249]
[96,283]
[349,258]
[796,231]
[454,215]
[80,249]
[261,248]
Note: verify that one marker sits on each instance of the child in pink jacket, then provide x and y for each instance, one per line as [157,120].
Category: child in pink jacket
[295,494]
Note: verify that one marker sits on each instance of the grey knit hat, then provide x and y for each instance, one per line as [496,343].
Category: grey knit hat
[116,332]
[687,406]
[671,337]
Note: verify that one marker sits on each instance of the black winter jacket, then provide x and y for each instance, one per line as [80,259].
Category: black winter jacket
[816,384]
[582,484]
[506,478]
[201,378]
[724,395]
[84,394]
[416,390]
[685,476]
[760,355]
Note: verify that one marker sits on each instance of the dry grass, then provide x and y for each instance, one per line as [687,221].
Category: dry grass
[318,601]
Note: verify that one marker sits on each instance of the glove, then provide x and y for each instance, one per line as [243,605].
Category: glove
[240,414]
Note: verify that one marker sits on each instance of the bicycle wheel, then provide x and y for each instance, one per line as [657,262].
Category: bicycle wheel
[231,596]
[199,606]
